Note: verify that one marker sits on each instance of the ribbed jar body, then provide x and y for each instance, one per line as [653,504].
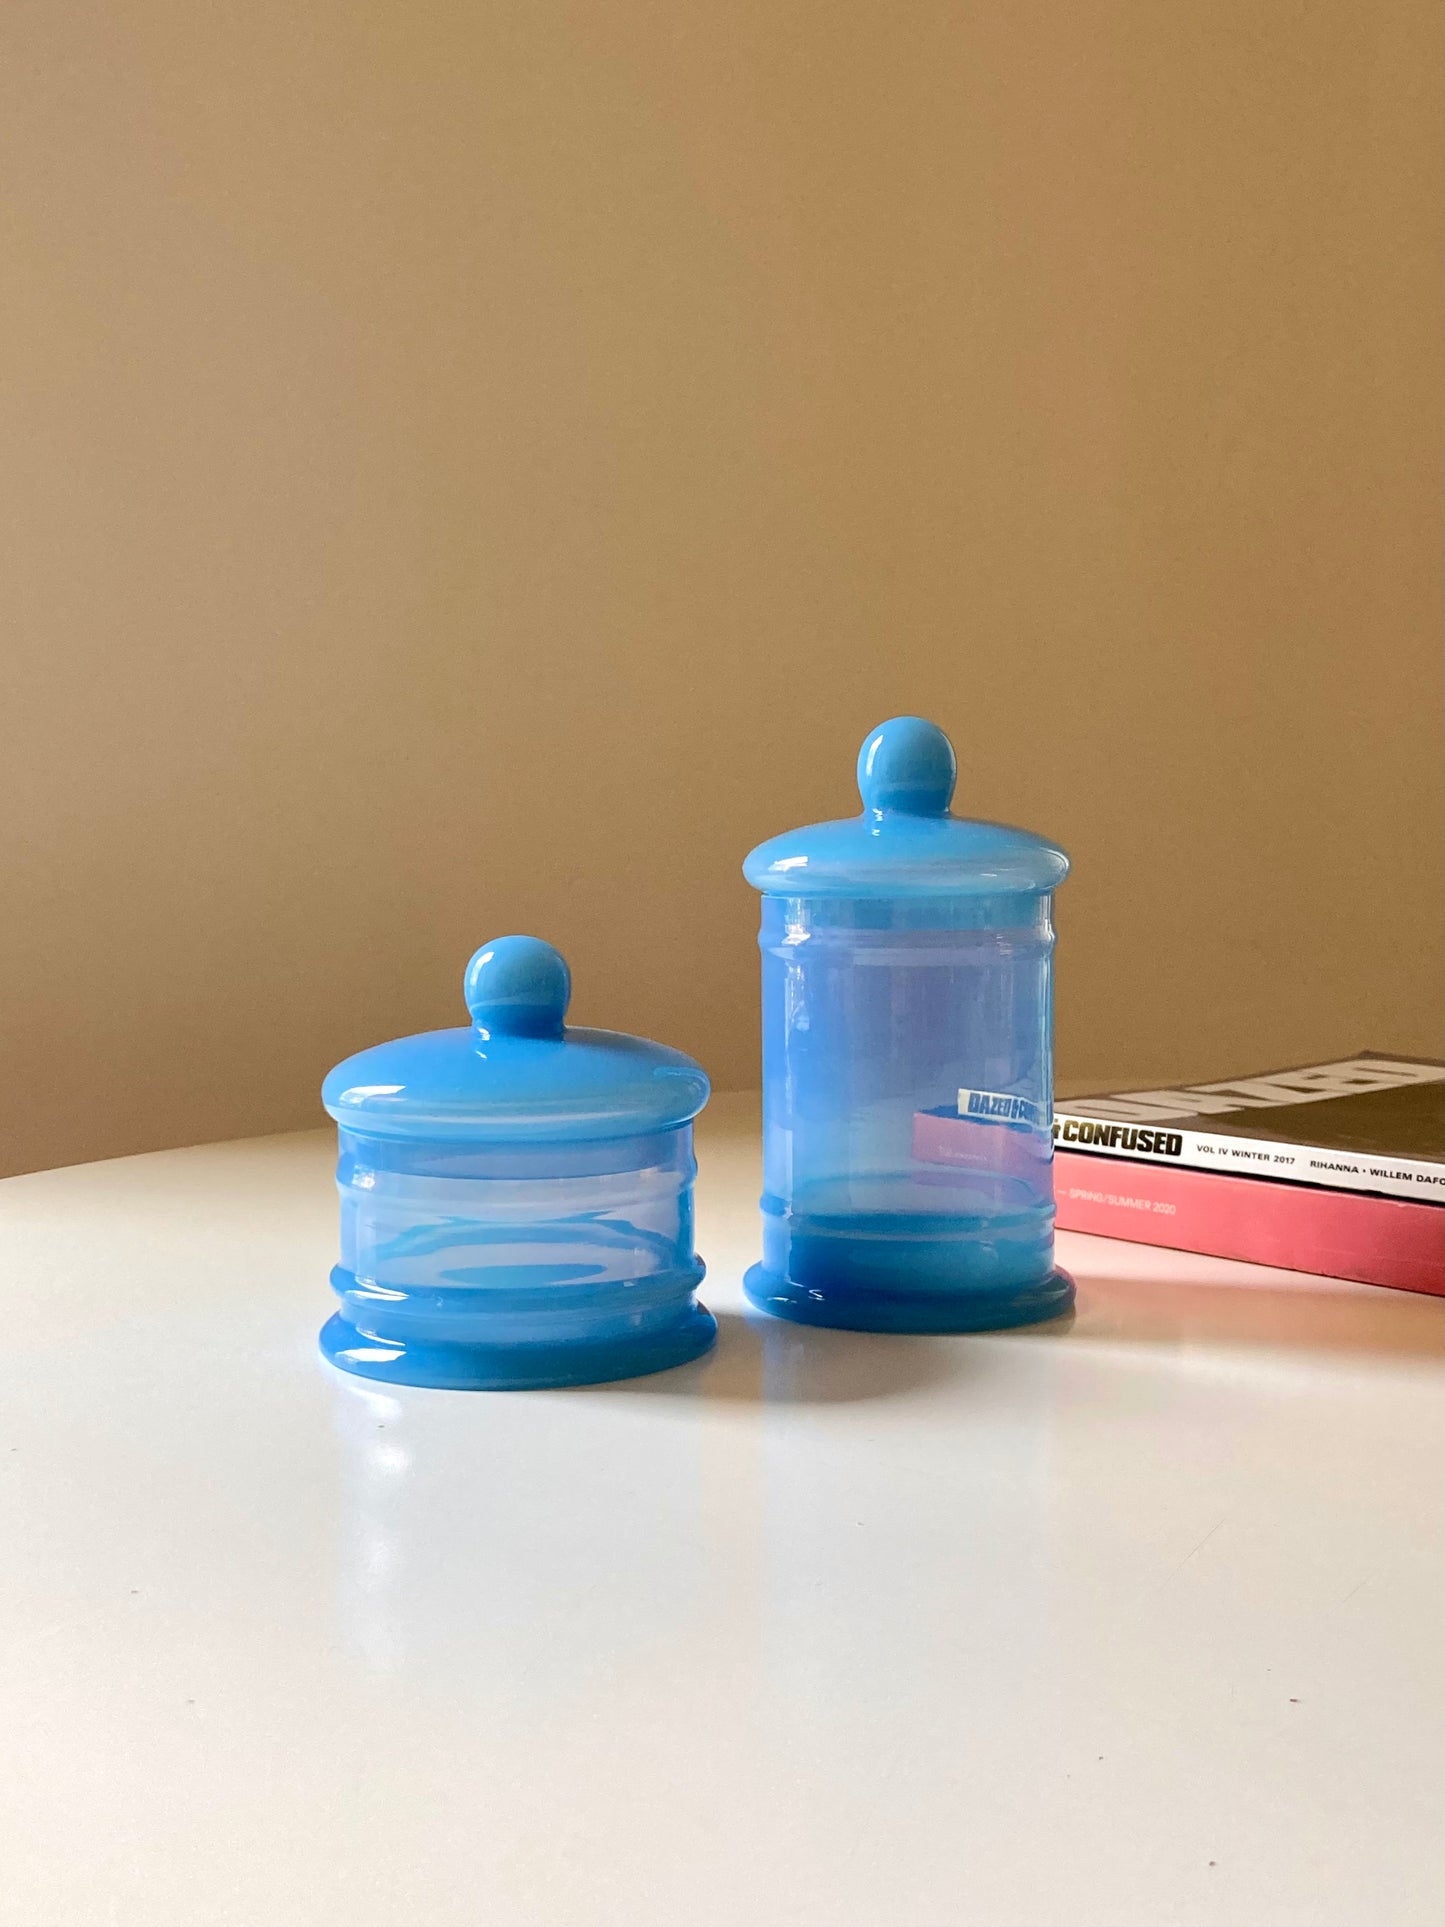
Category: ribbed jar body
[907,1110]
[546,1257]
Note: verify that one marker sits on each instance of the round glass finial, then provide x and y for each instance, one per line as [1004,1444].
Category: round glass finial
[518,987]
[909,765]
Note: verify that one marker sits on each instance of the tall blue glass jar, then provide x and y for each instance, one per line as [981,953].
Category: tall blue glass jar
[907,1059]
[516,1195]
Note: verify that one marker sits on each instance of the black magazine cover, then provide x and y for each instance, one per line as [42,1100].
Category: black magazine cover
[1371,1122]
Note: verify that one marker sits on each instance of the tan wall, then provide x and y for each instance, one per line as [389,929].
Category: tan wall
[474,465]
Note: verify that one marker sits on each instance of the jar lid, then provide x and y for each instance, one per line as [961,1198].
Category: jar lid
[906,843]
[518,1074]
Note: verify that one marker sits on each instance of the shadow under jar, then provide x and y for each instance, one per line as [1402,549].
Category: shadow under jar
[907,996]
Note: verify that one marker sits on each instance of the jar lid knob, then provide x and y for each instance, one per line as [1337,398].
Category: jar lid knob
[907,765]
[517,987]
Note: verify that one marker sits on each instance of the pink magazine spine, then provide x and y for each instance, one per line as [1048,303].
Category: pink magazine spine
[1334,1234]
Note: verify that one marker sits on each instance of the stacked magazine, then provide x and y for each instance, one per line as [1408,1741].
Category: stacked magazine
[1335,1168]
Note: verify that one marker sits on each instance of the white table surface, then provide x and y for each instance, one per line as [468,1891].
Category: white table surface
[1130,1624]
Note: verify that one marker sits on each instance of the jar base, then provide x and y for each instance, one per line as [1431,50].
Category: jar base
[517,1368]
[849,1308]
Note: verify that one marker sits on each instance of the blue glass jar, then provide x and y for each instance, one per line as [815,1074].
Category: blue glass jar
[516,1195]
[907,1059]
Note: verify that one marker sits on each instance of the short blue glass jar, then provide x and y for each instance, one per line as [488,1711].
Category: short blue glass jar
[516,1196]
[907,1059]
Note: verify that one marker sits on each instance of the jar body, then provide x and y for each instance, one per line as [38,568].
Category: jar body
[496,1266]
[907,1112]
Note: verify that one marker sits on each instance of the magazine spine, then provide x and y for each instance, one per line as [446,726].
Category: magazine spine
[1336,1234]
[1417,1179]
